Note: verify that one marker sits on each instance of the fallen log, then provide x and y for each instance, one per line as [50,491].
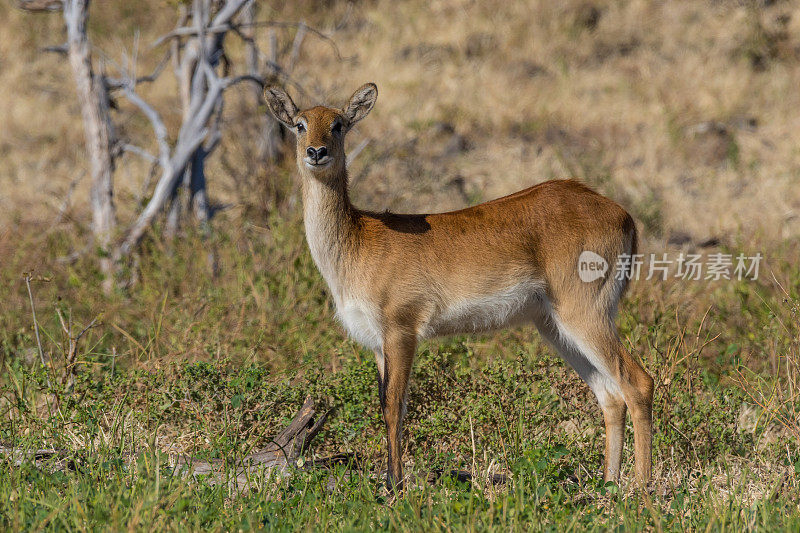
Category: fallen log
[279,457]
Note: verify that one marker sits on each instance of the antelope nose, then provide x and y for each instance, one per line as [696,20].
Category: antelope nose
[316,153]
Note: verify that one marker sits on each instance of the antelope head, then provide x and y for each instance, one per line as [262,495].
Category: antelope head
[320,130]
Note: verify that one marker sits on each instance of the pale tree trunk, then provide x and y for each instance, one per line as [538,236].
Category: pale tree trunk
[269,141]
[184,57]
[183,73]
[93,100]
[210,52]
[190,192]
[200,131]
[198,197]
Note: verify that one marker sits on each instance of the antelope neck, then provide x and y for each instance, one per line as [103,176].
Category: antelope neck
[331,228]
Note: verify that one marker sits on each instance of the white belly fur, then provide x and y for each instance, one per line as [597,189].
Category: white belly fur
[511,306]
[361,319]
[508,307]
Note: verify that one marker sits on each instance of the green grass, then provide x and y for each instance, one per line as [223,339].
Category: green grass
[232,409]
[214,366]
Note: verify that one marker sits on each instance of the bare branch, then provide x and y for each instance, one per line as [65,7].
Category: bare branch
[267,140]
[40,6]
[309,29]
[71,359]
[222,28]
[218,25]
[176,45]
[191,136]
[229,82]
[63,324]
[118,83]
[229,11]
[61,49]
[357,150]
[296,45]
[145,185]
[169,176]
[187,31]
[159,128]
[68,198]
[190,139]
[141,152]
[92,324]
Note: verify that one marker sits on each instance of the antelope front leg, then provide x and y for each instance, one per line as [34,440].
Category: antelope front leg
[614,411]
[398,355]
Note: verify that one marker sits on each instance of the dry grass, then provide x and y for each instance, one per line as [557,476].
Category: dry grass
[685,112]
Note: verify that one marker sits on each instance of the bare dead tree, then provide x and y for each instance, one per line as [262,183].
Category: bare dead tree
[189,58]
[201,91]
[202,69]
[94,104]
[99,131]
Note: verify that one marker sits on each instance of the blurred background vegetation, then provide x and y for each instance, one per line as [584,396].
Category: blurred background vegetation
[686,113]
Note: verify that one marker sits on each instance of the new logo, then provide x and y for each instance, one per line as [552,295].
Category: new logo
[591,266]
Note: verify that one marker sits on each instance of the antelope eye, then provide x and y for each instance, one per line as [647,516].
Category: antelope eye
[300,127]
[337,128]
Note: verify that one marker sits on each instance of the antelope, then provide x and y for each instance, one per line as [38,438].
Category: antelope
[396,279]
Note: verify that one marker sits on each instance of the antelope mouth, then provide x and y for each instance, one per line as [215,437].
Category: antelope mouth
[320,164]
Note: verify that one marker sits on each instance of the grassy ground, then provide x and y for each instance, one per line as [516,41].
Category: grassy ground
[684,112]
[188,363]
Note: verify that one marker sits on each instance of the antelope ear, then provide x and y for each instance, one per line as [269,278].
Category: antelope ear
[361,103]
[281,105]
